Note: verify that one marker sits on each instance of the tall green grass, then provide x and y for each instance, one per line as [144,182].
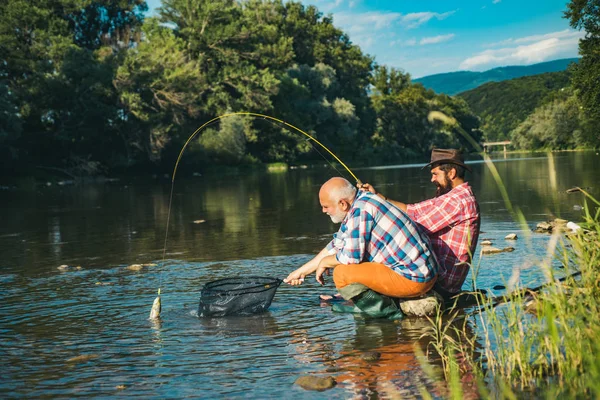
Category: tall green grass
[542,344]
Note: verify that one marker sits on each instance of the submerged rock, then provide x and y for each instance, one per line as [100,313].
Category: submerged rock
[511,236]
[135,267]
[317,383]
[371,356]
[423,306]
[486,243]
[495,250]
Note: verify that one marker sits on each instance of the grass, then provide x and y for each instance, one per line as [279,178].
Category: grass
[542,344]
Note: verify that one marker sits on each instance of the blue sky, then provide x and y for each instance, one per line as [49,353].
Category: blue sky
[433,36]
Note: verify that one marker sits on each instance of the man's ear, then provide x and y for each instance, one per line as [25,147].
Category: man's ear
[451,174]
[344,205]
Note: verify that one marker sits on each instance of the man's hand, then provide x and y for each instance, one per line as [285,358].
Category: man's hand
[295,278]
[319,274]
[367,187]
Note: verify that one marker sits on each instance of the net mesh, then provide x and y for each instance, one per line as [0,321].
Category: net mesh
[237,296]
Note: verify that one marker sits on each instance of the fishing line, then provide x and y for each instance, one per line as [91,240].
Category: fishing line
[248,114]
[312,146]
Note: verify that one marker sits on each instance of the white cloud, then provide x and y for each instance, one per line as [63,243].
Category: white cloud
[436,39]
[496,1]
[365,29]
[533,49]
[376,20]
[415,20]
[565,34]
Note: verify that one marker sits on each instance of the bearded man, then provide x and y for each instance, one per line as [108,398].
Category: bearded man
[377,254]
[451,219]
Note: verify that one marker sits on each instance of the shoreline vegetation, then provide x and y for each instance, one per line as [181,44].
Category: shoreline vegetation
[48,177]
[92,96]
[529,343]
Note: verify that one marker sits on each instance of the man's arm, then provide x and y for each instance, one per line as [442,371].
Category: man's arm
[297,276]
[329,261]
[369,188]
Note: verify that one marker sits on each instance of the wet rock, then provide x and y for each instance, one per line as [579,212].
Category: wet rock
[559,221]
[495,250]
[317,383]
[573,227]
[63,267]
[135,267]
[499,287]
[371,356]
[543,227]
[120,387]
[486,243]
[423,306]
[82,358]
[511,236]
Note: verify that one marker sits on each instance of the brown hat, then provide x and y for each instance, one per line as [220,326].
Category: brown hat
[447,156]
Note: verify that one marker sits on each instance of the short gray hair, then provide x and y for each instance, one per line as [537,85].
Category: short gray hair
[346,191]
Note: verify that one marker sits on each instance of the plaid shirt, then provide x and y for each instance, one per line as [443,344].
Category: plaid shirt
[376,231]
[452,223]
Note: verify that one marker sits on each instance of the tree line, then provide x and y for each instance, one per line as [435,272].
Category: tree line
[552,111]
[91,87]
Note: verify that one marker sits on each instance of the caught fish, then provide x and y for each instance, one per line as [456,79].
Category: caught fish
[155,312]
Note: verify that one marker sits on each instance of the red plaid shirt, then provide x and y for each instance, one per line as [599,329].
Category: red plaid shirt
[452,223]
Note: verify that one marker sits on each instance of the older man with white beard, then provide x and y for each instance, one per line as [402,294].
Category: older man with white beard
[377,254]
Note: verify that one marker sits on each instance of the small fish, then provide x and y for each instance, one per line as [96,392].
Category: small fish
[155,312]
[82,358]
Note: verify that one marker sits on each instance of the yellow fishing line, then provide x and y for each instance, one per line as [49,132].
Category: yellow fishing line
[251,114]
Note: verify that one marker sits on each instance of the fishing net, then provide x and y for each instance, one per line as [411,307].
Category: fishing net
[237,296]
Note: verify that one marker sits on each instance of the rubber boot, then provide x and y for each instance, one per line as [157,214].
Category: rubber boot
[345,308]
[374,305]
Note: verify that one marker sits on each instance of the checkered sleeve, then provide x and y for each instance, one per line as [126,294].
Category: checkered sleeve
[435,214]
[335,244]
[356,235]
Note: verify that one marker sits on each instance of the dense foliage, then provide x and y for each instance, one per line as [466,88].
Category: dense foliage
[92,86]
[585,14]
[502,106]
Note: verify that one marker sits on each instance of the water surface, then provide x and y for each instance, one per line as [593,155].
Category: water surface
[254,224]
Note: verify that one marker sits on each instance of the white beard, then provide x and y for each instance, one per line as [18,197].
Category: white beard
[338,217]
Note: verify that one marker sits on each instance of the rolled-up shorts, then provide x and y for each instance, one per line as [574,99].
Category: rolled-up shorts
[379,278]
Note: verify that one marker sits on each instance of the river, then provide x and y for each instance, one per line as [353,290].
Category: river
[226,226]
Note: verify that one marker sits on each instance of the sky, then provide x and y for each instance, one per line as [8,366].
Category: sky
[427,37]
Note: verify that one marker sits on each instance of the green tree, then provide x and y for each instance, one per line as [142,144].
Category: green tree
[585,14]
[555,125]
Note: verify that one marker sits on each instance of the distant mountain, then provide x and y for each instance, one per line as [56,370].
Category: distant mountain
[455,82]
[502,106]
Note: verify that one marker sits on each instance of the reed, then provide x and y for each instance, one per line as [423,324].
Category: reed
[540,344]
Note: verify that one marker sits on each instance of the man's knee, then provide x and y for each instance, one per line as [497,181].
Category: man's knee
[341,275]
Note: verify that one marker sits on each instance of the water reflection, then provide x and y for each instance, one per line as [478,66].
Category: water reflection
[256,224]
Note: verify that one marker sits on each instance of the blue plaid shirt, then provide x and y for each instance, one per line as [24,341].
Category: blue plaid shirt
[377,231]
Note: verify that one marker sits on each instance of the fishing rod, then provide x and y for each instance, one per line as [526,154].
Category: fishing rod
[155,315]
[249,114]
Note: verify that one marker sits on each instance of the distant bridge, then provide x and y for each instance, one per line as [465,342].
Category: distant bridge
[487,145]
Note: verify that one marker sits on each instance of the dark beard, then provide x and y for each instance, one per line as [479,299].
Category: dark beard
[442,190]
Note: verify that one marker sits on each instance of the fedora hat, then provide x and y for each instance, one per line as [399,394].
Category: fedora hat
[447,156]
